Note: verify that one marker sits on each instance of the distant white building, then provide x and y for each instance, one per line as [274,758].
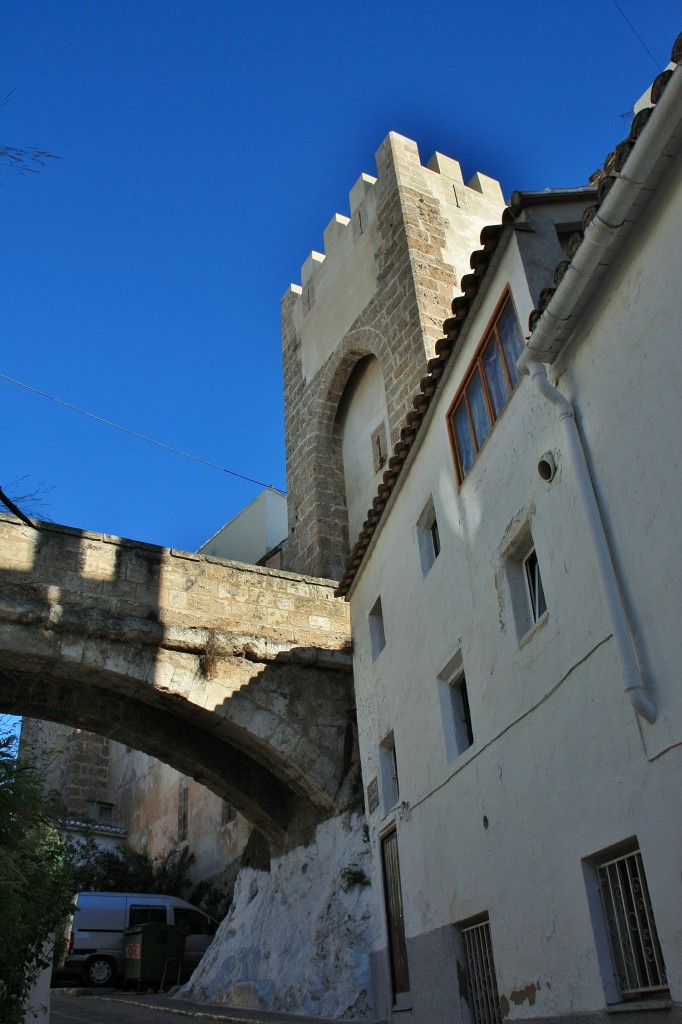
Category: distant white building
[255,535]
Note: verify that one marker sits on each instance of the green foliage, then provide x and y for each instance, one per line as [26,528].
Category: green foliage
[122,870]
[36,884]
[213,897]
[96,869]
[353,876]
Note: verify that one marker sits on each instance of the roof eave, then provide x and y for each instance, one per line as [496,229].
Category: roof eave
[604,237]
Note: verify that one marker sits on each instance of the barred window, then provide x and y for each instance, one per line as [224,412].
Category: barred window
[483,999]
[635,950]
[487,387]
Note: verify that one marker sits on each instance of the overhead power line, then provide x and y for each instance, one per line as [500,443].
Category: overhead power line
[619,8]
[134,433]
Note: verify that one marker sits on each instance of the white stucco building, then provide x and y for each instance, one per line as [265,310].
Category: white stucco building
[515,599]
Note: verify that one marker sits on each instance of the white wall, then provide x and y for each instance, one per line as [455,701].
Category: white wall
[561,767]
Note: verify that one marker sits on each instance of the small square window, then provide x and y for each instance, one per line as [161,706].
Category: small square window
[379,448]
[105,812]
[536,594]
[454,703]
[100,811]
[428,536]
[526,586]
[388,766]
[377,637]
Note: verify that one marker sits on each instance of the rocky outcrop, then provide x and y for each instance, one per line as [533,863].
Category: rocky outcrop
[297,937]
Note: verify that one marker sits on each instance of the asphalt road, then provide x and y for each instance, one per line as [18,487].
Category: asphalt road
[115,1010]
[83,1006]
[126,1008]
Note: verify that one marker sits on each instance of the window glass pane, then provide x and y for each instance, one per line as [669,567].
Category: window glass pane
[191,921]
[465,442]
[512,342]
[435,538]
[498,387]
[477,407]
[143,915]
[535,588]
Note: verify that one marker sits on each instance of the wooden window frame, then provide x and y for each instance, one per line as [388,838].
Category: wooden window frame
[476,366]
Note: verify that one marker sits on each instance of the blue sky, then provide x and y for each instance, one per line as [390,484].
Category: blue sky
[203,147]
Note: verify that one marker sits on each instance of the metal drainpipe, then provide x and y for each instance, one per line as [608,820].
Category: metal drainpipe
[632,675]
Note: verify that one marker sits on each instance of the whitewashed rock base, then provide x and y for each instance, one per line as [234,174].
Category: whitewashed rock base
[294,940]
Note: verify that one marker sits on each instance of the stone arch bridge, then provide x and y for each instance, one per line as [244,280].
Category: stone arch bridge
[239,676]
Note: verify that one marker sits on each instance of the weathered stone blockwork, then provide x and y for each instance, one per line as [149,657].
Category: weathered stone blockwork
[389,273]
[236,675]
[75,764]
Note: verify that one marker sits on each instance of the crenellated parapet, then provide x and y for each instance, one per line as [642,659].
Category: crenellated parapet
[378,289]
[400,167]
[340,237]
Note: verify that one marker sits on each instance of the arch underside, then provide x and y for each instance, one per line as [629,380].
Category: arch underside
[194,740]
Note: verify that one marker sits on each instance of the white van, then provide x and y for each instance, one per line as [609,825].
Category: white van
[95,932]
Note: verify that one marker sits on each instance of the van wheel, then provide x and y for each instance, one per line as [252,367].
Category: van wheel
[100,971]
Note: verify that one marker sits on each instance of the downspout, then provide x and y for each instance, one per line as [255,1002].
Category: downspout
[620,204]
[635,686]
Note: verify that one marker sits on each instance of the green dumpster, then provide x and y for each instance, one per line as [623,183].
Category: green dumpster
[154,954]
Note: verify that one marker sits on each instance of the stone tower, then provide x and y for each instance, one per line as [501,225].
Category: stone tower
[358,332]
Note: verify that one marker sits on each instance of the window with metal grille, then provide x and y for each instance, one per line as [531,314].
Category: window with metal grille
[487,387]
[483,999]
[635,950]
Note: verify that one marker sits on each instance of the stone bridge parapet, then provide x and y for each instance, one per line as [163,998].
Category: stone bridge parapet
[235,674]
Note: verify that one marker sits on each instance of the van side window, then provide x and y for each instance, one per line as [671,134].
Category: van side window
[142,915]
[192,922]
